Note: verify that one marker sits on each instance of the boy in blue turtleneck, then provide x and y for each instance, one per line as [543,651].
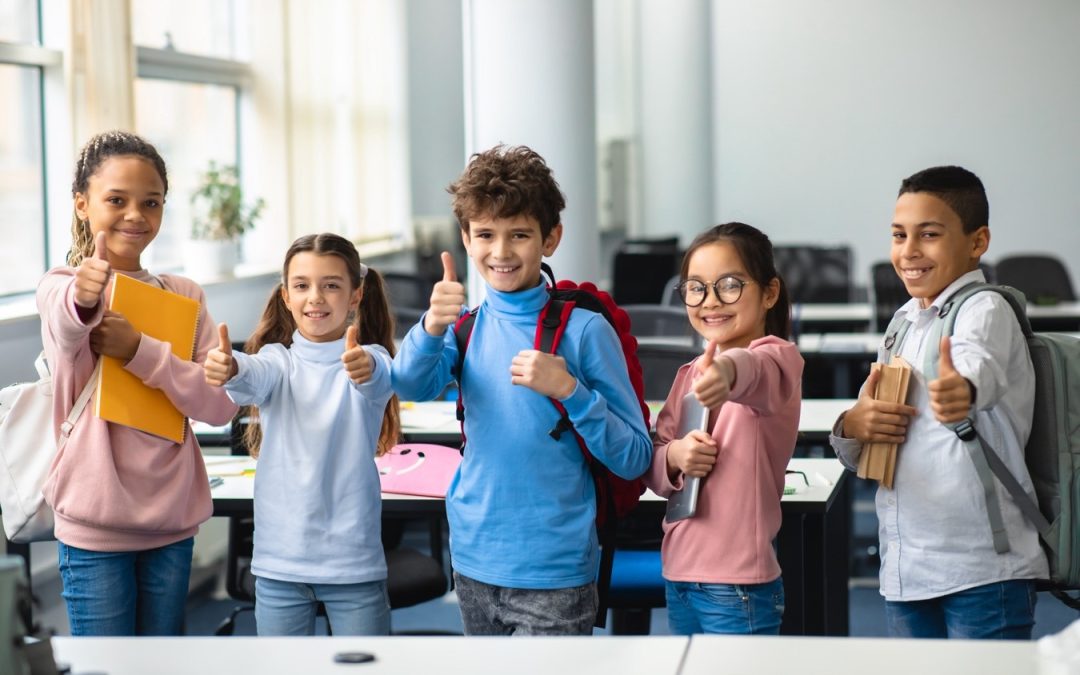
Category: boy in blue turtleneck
[522,506]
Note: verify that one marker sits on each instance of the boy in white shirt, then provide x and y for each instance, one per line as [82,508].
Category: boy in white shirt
[940,573]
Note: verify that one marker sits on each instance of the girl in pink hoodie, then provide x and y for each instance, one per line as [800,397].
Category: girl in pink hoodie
[127,503]
[721,572]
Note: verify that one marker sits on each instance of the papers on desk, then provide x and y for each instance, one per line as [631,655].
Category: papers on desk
[426,416]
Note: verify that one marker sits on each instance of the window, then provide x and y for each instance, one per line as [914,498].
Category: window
[187,101]
[23,256]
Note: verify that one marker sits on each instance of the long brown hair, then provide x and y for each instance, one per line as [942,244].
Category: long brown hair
[98,149]
[373,319]
[756,252]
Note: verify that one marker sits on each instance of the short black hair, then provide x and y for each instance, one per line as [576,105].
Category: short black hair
[957,187]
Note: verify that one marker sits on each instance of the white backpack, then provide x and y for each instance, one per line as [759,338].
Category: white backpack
[27,449]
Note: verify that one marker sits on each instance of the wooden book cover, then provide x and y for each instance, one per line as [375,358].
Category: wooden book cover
[122,398]
[878,460]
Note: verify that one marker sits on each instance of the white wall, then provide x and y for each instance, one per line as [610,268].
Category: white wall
[821,108]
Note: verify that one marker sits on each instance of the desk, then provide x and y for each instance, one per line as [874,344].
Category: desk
[399,654]
[829,317]
[812,543]
[716,655]
[435,421]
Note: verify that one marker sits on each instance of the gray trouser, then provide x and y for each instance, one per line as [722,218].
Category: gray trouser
[496,610]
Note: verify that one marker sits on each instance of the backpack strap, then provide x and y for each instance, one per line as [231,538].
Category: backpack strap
[462,334]
[894,336]
[41,364]
[988,463]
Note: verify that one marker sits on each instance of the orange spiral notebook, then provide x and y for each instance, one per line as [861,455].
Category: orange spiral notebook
[122,398]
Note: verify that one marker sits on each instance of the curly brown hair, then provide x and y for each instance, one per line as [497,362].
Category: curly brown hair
[506,182]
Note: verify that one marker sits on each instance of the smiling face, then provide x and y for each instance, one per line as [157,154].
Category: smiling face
[319,295]
[736,324]
[125,199]
[508,251]
[930,249]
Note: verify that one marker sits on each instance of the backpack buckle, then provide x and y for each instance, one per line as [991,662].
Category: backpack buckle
[890,340]
[965,430]
[945,309]
[562,425]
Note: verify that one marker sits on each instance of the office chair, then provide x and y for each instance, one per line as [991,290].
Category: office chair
[648,321]
[889,293]
[641,267]
[1044,279]
[659,365]
[404,319]
[815,273]
[413,577]
[671,293]
[407,290]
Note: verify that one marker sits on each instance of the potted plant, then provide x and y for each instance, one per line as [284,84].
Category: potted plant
[219,218]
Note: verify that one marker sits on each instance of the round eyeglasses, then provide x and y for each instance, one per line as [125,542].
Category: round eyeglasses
[728,290]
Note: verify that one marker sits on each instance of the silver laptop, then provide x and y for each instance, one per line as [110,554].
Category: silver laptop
[683,504]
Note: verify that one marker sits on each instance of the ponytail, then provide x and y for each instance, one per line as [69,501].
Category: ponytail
[376,327]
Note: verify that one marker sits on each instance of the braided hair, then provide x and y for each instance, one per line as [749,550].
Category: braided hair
[98,149]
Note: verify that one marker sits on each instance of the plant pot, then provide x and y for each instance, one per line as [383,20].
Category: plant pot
[209,259]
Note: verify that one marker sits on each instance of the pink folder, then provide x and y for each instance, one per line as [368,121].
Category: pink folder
[418,469]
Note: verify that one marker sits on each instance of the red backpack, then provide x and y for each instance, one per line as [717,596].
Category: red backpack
[615,496]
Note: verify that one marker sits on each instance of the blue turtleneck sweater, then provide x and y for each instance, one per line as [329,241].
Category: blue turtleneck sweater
[522,506]
[317,498]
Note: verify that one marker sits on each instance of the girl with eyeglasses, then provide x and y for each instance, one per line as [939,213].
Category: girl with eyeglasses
[720,568]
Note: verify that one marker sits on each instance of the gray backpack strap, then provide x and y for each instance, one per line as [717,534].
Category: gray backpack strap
[68,424]
[987,462]
[894,336]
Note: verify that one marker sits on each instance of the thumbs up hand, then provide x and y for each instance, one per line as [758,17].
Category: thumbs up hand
[872,421]
[447,300]
[92,275]
[950,394]
[358,363]
[717,376]
[220,366]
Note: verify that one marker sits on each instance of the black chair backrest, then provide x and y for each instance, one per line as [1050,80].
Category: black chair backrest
[660,363]
[889,293]
[658,321]
[815,273]
[642,267]
[407,290]
[1042,278]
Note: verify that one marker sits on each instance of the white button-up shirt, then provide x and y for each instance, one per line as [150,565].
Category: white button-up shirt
[933,526]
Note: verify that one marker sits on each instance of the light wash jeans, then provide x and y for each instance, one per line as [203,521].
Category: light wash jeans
[127,593]
[742,609]
[288,607]
[999,611]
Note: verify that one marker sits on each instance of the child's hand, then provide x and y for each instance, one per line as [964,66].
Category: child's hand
[950,394]
[115,337]
[92,275]
[693,455]
[713,387]
[876,421]
[447,299]
[358,363]
[220,366]
[543,373]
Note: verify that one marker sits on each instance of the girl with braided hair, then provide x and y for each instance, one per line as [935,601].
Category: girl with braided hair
[127,503]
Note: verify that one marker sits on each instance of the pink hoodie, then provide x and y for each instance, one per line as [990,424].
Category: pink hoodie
[729,539]
[114,488]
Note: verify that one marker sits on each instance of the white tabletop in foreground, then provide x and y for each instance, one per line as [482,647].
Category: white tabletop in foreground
[716,655]
[412,655]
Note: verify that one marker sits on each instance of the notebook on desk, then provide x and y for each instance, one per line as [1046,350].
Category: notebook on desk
[122,398]
[419,469]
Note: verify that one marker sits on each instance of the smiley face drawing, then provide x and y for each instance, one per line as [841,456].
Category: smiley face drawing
[418,469]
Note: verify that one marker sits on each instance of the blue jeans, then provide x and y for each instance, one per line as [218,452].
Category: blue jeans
[738,609]
[288,607]
[126,593]
[999,611]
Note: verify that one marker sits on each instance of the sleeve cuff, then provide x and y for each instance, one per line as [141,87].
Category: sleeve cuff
[146,357]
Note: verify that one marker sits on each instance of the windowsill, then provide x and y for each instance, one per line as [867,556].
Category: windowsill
[23,306]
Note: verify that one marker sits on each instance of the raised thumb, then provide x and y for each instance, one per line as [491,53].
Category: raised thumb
[100,249]
[351,338]
[708,358]
[223,339]
[448,274]
[945,363]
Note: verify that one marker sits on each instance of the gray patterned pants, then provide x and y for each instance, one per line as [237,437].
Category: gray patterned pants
[496,610]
